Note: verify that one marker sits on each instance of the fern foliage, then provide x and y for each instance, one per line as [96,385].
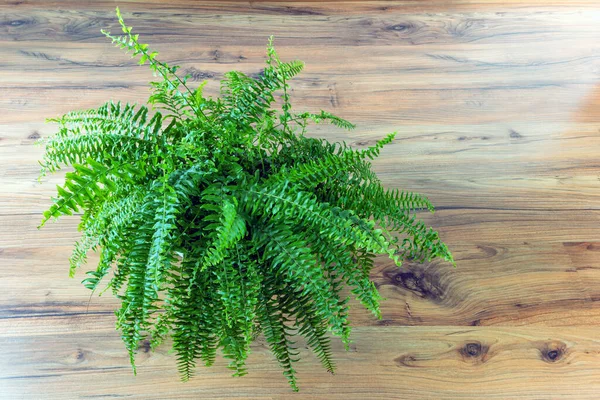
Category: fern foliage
[217,220]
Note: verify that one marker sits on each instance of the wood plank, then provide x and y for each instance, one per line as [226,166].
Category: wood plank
[82,357]
[511,282]
[497,105]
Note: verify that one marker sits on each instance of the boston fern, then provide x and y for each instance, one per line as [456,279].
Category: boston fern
[217,220]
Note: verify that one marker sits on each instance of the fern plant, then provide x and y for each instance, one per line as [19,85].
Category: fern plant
[217,219]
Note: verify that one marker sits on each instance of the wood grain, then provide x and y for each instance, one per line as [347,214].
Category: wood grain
[497,105]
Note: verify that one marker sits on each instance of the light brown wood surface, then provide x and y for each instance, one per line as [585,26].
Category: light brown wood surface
[497,104]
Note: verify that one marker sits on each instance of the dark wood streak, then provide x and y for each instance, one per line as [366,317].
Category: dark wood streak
[39,316]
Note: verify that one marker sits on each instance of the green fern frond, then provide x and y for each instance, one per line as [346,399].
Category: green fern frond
[225,225]
[277,333]
[290,69]
[289,254]
[218,220]
[166,92]
[326,116]
[314,329]
[82,187]
[111,132]
[160,256]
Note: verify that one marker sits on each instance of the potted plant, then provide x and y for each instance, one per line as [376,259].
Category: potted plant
[217,219]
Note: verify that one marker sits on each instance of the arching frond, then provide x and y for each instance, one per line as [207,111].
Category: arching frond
[110,132]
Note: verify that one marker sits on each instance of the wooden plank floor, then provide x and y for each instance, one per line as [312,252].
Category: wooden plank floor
[497,104]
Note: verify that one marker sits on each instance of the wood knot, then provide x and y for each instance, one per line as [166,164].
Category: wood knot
[488,251]
[552,352]
[145,346]
[34,135]
[402,27]
[197,75]
[514,134]
[408,279]
[474,351]
[406,360]
[423,282]
[593,247]
[79,356]
[17,22]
